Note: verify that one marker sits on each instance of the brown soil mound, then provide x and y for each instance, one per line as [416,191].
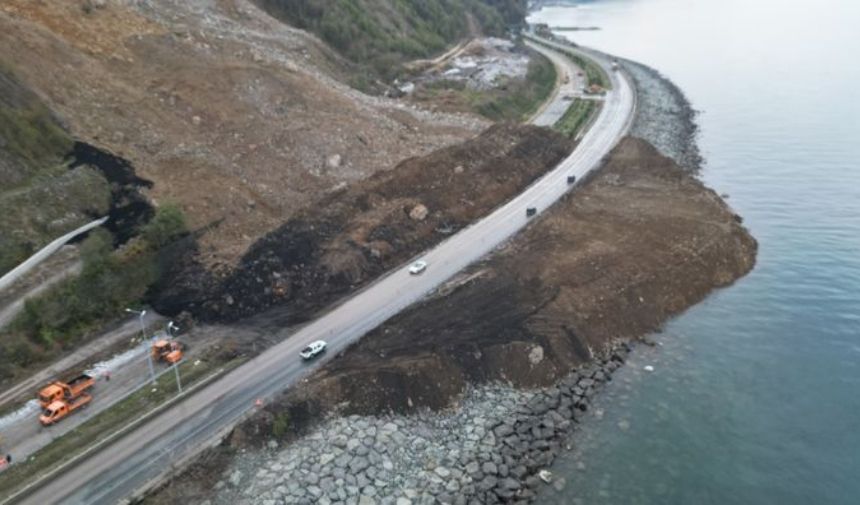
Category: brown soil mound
[637,244]
[354,235]
[239,119]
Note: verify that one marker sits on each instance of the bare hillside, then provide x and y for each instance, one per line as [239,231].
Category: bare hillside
[233,115]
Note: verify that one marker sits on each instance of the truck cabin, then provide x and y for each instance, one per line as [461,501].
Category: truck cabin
[50,394]
[52,413]
[167,350]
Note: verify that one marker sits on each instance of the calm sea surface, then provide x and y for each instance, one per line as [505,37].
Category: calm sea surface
[755,397]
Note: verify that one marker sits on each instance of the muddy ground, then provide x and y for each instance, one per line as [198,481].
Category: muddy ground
[639,242]
[357,233]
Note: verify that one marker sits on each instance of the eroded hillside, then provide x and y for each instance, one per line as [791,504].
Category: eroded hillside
[234,116]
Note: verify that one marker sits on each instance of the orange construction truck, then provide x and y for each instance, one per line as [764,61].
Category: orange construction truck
[62,408]
[167,350]
[67,391]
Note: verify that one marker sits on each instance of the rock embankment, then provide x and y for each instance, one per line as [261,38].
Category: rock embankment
[494,447]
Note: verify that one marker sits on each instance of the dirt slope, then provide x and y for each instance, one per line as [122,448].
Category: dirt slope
[356,234]
[636,245]
[233,115]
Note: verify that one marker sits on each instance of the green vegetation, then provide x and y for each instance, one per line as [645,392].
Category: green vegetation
[518,99]
[379,35]
[53,202]
[576,117]
[109,281]
[512,100]
[40,198]
[280,425]
[32,135]
[110,421]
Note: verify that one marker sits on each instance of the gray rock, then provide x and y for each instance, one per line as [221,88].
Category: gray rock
[488,483]
[235,478]
[357,464]
[472,467]
[489,468]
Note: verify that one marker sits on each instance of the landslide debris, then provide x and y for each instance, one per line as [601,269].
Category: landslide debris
[355,234]
[640,242]
[230,113]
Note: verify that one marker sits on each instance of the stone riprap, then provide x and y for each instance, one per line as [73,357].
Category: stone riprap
[493,447]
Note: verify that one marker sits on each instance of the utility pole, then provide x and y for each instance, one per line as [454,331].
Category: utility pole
[141,314]
[176,371]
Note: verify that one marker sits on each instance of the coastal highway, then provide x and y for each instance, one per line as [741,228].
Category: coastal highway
[170,438]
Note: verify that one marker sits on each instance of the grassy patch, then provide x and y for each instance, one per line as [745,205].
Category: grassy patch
[63,316]
[39,198]
[107,422]
[576,117]
[519,99]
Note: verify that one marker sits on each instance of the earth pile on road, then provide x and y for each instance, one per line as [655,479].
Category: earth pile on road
[358,233]
[640,242]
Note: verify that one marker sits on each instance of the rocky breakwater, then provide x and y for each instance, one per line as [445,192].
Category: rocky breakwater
[494,447]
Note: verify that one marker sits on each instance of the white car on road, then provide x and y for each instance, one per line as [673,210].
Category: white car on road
[313,349]
[417,267]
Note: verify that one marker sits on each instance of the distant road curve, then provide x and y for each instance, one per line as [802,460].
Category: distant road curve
[16,273]
[160,444]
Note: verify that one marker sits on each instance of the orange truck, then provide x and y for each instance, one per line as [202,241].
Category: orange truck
[66,391]
[168,351]
[62,408]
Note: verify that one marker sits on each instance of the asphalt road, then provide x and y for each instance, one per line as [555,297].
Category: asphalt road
[178,433]
[571,86]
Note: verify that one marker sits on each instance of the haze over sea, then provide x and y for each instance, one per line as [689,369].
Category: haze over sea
[755,397]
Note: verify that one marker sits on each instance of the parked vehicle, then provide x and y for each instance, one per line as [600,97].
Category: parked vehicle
[417,267]
[68,391]
[169,351]
[313,349]
[61,409]
[531,211]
